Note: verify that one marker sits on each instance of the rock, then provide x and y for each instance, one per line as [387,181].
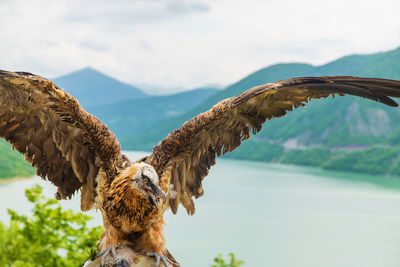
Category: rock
[125,257]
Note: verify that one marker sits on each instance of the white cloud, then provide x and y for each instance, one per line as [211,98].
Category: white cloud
[183,7]
[185,44]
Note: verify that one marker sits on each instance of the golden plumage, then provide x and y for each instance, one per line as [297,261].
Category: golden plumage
[75,151]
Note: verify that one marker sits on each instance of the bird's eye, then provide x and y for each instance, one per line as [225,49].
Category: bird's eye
[145,181]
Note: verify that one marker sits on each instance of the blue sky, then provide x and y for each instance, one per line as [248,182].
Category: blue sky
[179,44]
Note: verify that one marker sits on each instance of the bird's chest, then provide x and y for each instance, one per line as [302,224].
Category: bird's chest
[129,213]
[125,207]
[131,216]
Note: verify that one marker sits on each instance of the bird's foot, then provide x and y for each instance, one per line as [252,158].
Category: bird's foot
[112,260]
[158,258]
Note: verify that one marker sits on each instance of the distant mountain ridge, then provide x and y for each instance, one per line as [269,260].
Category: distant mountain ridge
[124,108]
[135,115]
[93,88]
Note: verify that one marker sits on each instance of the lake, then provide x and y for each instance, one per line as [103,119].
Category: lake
[273,216]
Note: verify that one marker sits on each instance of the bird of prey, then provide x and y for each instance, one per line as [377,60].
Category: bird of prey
[75,151]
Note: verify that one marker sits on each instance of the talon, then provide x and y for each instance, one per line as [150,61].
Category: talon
[158,258]
[121,263]
[104,259]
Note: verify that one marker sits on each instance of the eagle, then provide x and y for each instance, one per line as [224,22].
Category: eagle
[75,151]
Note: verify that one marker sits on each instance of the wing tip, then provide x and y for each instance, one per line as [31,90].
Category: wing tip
[387,101]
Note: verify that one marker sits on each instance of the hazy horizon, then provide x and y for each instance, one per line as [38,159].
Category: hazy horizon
[154,89]
[189,43]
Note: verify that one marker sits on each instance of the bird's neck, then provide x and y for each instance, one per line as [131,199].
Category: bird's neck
[152,239]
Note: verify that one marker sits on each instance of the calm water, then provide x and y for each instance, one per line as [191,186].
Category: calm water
[274,216]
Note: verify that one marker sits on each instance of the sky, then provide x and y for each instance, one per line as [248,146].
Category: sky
[175,45]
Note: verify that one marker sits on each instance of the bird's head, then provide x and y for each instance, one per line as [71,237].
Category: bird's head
[145,180]
[134,199]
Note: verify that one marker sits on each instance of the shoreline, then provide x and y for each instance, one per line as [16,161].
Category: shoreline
[15,179]
[383,181]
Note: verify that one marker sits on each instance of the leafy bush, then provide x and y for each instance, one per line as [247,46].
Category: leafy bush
[220,262]
[51,237]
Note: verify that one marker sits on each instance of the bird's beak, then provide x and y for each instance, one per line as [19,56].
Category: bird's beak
[161,194]
[155,195]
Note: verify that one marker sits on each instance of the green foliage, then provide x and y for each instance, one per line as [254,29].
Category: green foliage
[308,157]
[51,237]
[12,163]
[220,262]
[374,160]
[258,151]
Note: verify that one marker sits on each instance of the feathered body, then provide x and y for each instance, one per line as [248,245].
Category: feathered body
[128,215]
[75,151]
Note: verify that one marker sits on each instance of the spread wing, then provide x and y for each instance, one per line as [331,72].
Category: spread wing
[185,156]
[67,145]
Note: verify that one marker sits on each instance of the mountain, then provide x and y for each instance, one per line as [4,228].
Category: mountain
[134,116]
[93,88]
[124,108]
[157,89]
[353,122]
